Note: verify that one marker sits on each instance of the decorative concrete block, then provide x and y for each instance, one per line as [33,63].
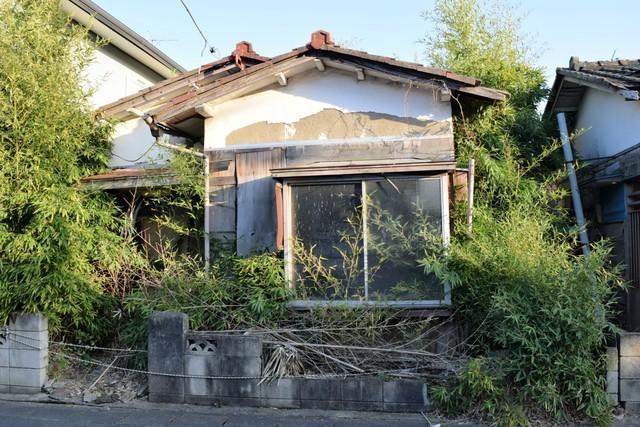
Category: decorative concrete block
[630,390]
[166,347]
[28,322]
[629,367]
[612,359]
[612,382]
[630,344]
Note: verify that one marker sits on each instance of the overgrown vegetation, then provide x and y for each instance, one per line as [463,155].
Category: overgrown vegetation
[537,311]
[55,238]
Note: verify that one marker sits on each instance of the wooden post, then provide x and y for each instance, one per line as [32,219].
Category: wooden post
[470,185]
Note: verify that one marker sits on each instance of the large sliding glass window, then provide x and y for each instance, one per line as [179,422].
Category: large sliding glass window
[361,240]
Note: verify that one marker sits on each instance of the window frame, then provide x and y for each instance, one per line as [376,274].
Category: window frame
[288,183]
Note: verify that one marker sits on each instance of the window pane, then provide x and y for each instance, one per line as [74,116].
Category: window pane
[327,249]
[405,220]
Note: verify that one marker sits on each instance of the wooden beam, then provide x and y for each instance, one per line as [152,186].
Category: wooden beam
[319,64]
[282,79]
[205,110]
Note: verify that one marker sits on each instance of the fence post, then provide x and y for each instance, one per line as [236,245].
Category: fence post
[167,332]
[24,354]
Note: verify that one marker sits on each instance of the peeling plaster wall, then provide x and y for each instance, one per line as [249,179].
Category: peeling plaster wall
[114,75]
[328,105]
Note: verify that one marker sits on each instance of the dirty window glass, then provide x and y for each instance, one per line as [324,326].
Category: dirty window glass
[362,240]
[327,228]
[403,214]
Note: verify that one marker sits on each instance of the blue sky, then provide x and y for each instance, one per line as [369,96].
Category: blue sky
[589,29]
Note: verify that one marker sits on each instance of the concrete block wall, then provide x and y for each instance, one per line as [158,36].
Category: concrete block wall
[24,354]
[629,370]
[237,359]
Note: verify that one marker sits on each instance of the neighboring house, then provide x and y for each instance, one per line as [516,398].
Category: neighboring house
[601,102]
[124,65]
[298,144]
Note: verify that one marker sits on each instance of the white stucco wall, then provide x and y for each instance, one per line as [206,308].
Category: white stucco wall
[608,122]
[114,75]
[313,92]
[134,146]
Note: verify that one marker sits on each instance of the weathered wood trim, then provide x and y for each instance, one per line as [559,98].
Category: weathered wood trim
[356,169]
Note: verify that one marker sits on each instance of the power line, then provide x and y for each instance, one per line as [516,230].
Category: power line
[206,42]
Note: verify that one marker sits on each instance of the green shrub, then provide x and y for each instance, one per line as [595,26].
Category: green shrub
[55,237]
[237,293]
[538,313]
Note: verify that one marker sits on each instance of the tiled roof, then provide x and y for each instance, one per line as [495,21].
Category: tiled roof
[621,77]
[177,99]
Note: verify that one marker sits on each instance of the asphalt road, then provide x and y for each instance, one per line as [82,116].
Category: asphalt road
[29,414]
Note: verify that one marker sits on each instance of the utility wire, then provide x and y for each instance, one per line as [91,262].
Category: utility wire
[212,49]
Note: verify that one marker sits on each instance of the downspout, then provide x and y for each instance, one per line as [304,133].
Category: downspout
[573,183]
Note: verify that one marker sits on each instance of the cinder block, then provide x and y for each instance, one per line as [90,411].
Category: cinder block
[19,389]
[319,389]
[4,376]
[5,388]
[28,322]
[630,390]
[201,365]
[632,408]
[33,359]
[239,345]
[4,357]
[405,391]
[167,331]
[630,344]
[209,400]
[233,366]
[612,359]
[629,367]
[349,405]
[283,393]
[166,397]
[614,399]
[362,390]
[240,401]
[26,377]
[238,388]
[612,382]
[29,340]
[404,407]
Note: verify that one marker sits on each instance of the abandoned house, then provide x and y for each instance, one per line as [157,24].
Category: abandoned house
[601,103]
[308,146]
